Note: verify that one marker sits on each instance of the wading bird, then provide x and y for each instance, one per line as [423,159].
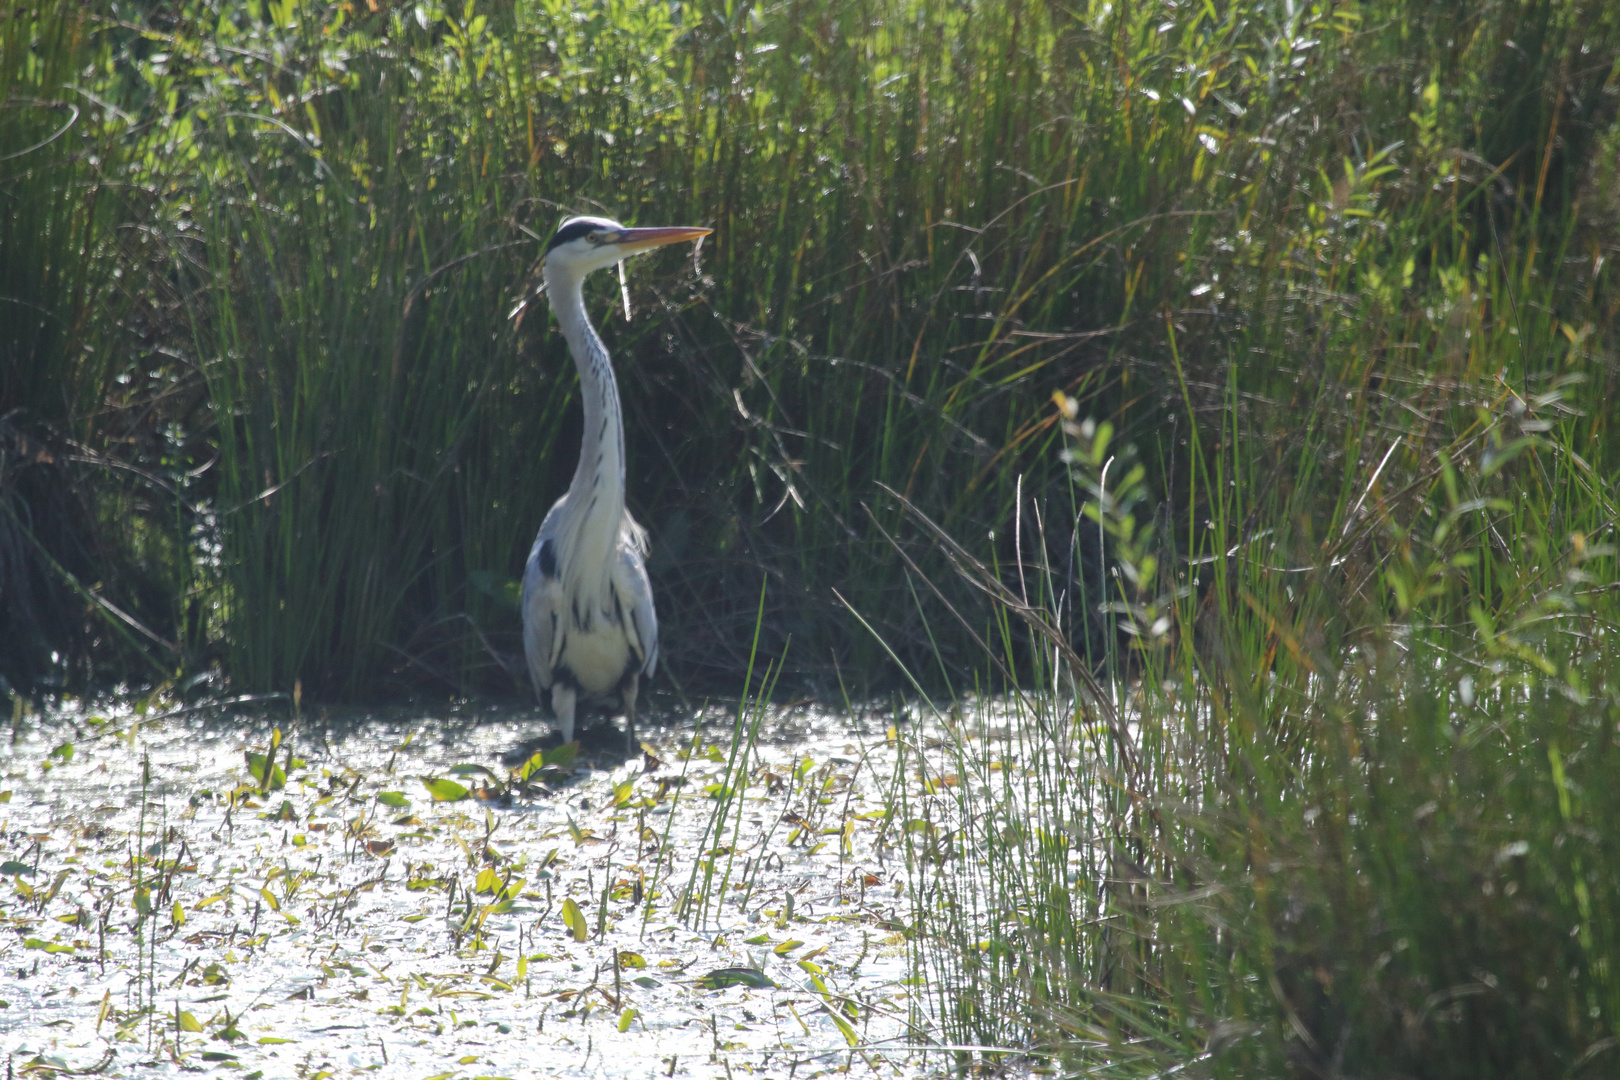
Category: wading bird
[589,629]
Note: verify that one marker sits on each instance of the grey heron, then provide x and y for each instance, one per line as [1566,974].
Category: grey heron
[589,627]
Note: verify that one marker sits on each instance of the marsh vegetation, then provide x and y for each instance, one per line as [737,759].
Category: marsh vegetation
[1176,439]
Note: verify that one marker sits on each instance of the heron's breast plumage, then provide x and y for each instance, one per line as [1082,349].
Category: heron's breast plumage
[593,631]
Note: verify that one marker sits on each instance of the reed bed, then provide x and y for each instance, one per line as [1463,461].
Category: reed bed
[1290,619]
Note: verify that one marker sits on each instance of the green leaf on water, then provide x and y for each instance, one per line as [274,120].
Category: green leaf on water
[63,752]
[186,1022]
[720,978]
[12,866]
[843,1026]
[574,919]
[631,961]
[272,1040]
[646,982]
[562,756]
[786,947]
[444,790]
[396,799]
[255,764]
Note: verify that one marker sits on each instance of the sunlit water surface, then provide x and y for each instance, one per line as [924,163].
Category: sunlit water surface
[315,931]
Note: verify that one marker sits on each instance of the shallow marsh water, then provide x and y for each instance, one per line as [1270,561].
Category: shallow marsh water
[166,916]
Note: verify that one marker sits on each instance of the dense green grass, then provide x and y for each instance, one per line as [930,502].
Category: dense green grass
[941,213]
[1334,276]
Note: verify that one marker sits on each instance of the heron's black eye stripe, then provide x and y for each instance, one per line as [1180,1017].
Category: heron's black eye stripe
[573,231]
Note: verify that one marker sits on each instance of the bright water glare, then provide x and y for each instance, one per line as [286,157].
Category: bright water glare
[170,914]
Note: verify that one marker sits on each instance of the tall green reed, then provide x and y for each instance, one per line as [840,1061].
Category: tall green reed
[939,223]
[95,500]
[1375,485]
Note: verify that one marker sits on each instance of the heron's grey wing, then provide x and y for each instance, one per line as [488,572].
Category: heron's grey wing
[643,628]
[539,618]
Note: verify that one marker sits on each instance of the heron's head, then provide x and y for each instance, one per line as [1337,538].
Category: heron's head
[584,244]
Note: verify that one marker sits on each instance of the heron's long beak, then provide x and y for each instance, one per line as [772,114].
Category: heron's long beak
[631,241]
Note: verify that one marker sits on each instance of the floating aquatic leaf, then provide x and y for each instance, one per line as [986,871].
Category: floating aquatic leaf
[647,982]
[396,799]
[631,961]
[186,1022]
[720,978]
[256,765]
[12,866]
[843,1026]
[574,919]
[626,1018]
[786,947]
[444,790]
[229,1033]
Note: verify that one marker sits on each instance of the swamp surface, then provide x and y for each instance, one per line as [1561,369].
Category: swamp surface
[394,901]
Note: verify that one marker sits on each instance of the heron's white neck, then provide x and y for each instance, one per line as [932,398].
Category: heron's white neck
[598,484]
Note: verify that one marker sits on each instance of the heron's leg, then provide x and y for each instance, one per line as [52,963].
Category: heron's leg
[562,704]
[629,695]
